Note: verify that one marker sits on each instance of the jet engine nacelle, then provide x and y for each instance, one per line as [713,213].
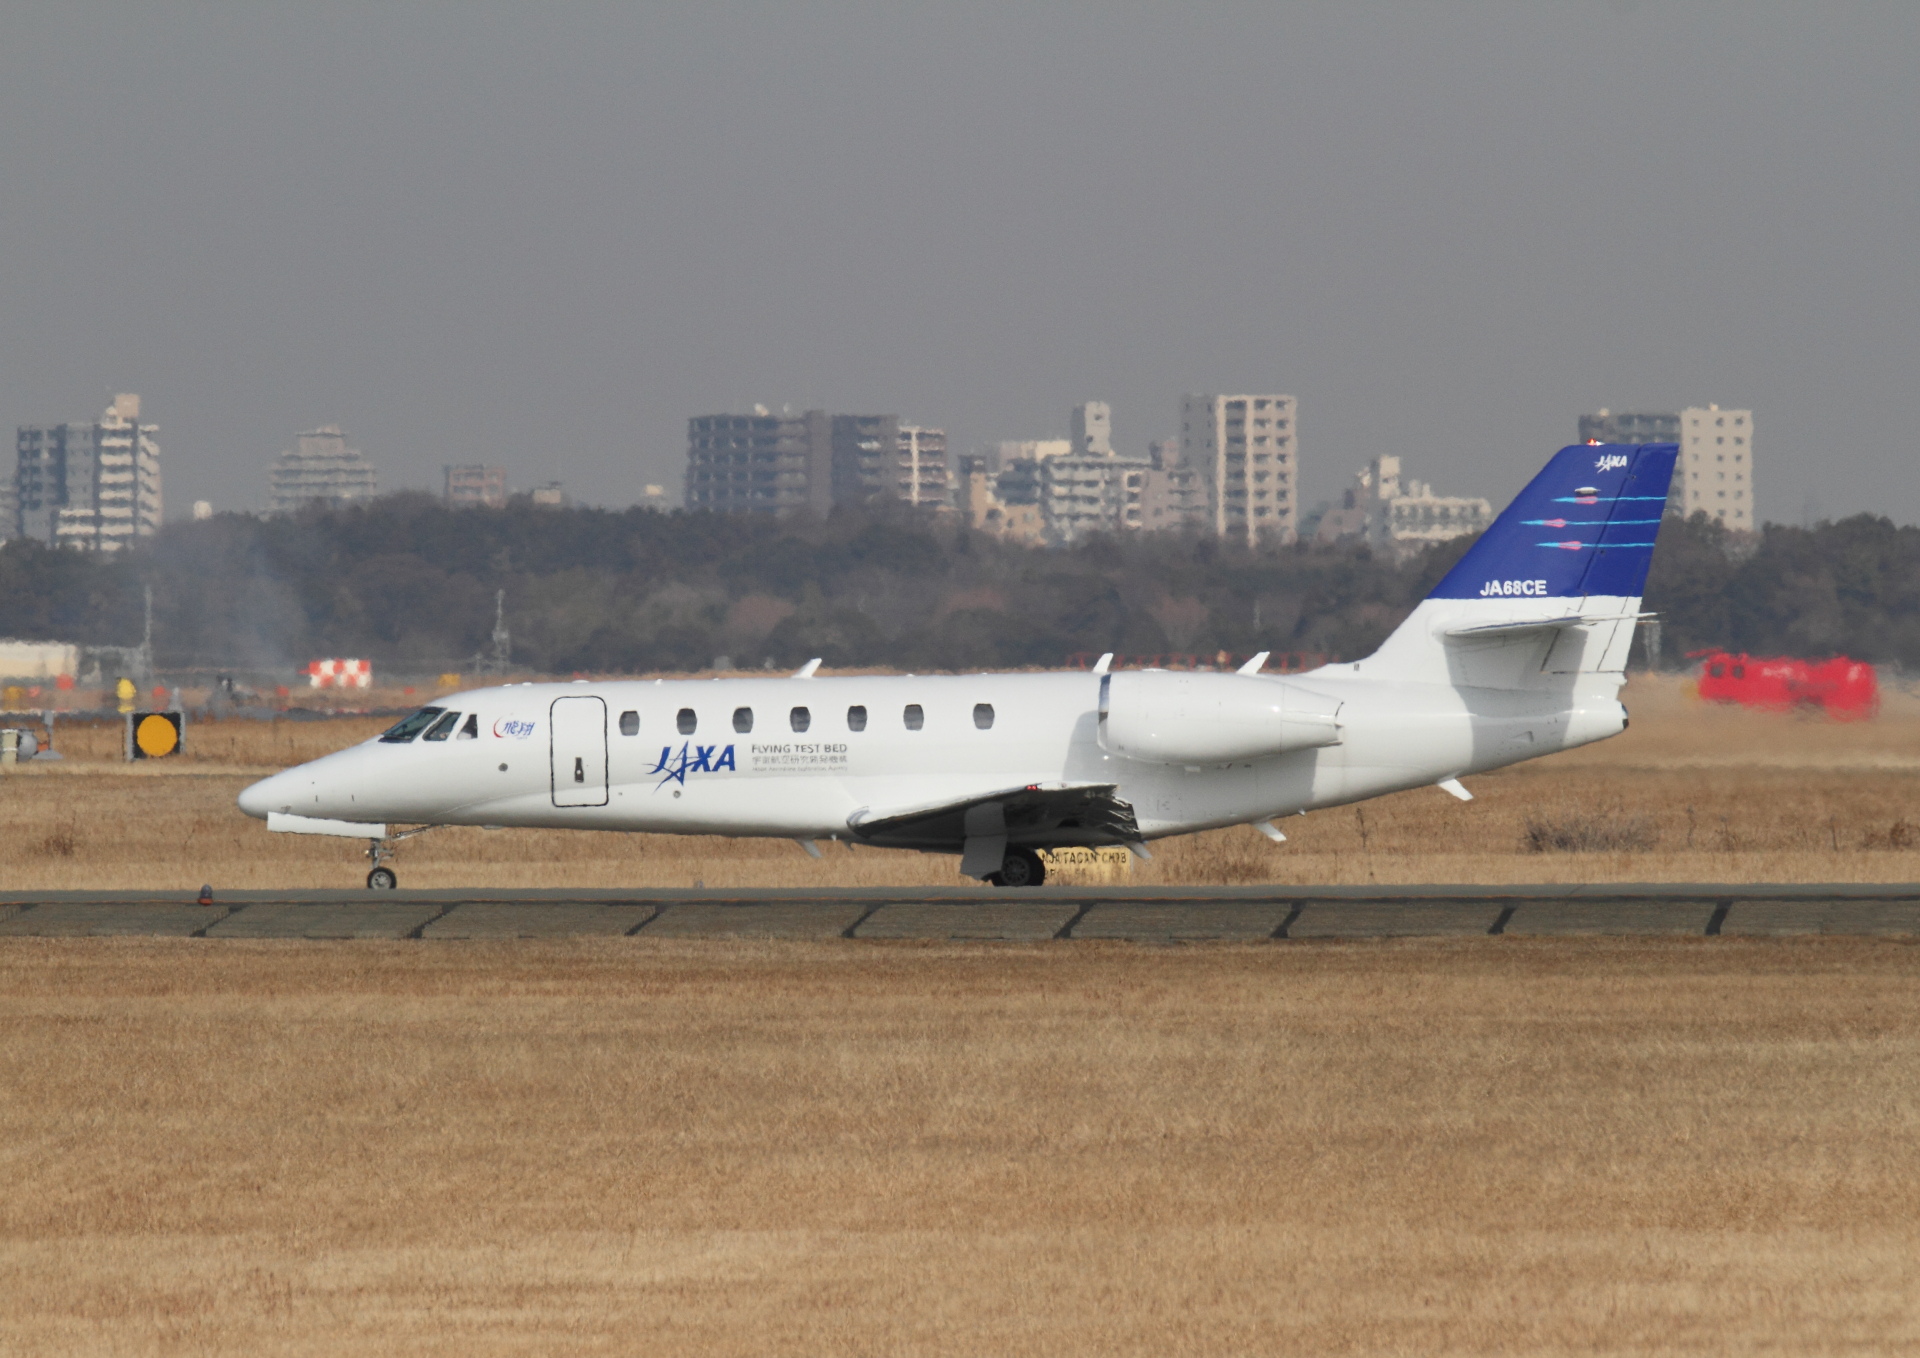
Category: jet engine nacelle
[1172,718]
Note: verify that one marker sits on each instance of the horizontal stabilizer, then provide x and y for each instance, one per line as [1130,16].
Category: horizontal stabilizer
[1502,629]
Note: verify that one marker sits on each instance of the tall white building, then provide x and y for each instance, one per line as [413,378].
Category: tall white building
[922,477]
[1715,470]
[320,469]
[94,486]
[1247,450]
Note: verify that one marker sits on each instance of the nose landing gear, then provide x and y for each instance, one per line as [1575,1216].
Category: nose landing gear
[382,878]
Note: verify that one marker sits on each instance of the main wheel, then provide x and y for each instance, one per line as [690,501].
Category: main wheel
[382,879]
[1021,867]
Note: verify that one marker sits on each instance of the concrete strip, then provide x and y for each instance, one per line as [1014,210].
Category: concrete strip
[1182,923]
[1388,919]
[1775,919]
[1610,917]
[374,919]
[713,920]
[495,919]
[8,909]
[84,920]
[1010,922]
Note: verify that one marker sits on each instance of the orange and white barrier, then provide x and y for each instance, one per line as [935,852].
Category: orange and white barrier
[340,674]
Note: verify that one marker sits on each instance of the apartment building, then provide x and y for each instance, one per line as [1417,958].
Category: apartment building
[91,485]
[1246,449]
[320,469]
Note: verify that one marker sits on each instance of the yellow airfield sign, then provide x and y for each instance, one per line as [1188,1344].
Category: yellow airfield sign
[156,734]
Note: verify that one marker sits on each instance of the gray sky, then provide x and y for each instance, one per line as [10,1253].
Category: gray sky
[543,237]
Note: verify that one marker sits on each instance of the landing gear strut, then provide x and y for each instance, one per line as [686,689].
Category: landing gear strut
[1021,867]
[382,878]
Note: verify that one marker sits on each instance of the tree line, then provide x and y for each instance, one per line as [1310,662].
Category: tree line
[410,583]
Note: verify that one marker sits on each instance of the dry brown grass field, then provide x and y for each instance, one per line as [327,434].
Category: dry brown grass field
[1501,1146]
[1692,792]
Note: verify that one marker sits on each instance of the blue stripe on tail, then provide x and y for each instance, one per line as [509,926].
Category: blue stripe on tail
[1585,525]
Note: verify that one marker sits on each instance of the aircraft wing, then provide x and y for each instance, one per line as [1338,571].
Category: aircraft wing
[1087,813]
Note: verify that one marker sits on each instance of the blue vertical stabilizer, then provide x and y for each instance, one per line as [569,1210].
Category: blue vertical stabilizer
[1585,526]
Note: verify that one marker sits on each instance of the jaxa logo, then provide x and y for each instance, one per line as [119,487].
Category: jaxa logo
[1504,588]
[1610,462]
[690,759]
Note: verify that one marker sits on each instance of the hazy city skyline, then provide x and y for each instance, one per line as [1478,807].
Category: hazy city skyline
[545,240]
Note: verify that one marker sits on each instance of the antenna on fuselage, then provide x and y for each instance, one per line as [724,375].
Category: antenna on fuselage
[806,670]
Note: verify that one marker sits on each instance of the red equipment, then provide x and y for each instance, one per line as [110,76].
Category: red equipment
[1842,687]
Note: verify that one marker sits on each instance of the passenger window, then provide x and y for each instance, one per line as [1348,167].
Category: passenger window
[629,723]
[743,719]
[983,716]
[800,719]
[686,721]
[914,717]
[856,718]
[408,727]
[443,728]
[471,731]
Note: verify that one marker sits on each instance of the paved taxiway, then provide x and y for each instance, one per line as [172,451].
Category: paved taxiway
[1137,914]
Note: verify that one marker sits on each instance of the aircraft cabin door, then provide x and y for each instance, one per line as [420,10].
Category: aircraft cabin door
[578,728]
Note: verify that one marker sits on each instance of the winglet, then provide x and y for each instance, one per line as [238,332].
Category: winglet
[1103,664]
[806,670]
[1255,665]
[1451,786]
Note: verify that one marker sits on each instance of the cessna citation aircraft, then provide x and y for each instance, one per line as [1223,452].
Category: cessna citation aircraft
[1520,651]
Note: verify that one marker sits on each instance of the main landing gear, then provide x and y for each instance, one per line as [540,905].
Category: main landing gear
[1021,867]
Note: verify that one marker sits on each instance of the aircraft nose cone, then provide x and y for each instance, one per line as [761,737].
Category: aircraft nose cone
[257,800]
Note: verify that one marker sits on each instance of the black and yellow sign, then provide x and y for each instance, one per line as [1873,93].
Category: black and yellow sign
[157,734]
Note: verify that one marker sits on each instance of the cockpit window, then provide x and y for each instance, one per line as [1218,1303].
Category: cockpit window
[471,731]
[443,728]
[407,728]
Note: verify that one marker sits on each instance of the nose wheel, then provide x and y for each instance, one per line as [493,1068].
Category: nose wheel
[382,879]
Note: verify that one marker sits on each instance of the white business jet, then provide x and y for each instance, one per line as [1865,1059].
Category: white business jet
[1520,651]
